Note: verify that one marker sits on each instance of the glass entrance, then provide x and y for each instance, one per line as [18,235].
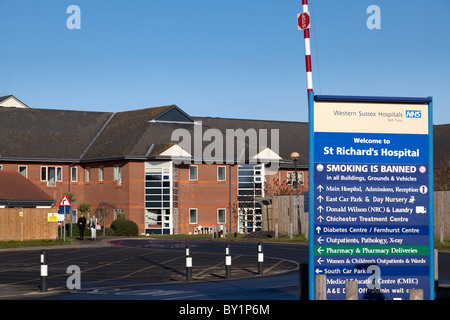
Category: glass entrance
[250,185]
[158,198]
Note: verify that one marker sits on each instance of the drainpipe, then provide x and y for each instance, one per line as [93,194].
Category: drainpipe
[71,215]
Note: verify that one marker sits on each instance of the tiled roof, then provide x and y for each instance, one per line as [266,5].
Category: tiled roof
[67,136]
[123,132]
[47,134]
[15,187]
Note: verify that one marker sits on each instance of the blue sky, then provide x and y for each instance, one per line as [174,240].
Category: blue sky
[234,59]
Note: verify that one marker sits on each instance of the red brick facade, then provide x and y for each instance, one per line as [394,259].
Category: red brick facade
[123,159]
[205,194]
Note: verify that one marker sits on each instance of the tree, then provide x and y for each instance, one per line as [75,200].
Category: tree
[70,196]
[277,187]
[84,208]
[103,211]
[442,179]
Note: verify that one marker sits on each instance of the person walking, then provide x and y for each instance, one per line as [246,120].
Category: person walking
[81,225]
[93,225]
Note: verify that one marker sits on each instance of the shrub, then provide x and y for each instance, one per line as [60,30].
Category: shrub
[124,227]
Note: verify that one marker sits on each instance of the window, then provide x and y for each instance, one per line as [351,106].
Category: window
[59,174]
[193,216]
[43,173]
[74,174]
[221,215]
[118,174]
[23,171]
[250,186]
[291,178]
[100,173]
[87,174]
[51,175]
[193,173]
[221,174]
[158,197]
[118,213]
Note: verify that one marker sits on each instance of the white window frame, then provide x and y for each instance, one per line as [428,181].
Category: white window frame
[224,216]
[57,179]
[196,173]
[40,175]
[101,173]
[196,215]
[87,174]
[224,173]
[118,174]
[290,178]
[26,170]
[72,175]
[60,179]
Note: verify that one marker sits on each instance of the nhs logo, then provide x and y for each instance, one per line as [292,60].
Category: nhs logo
[413,114]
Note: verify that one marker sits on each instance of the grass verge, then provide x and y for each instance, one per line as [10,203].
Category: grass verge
[34,243]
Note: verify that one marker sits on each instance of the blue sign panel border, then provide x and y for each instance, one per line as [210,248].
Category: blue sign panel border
[369,99]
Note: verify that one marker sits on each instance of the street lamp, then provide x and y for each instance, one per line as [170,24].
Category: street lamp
[295,156]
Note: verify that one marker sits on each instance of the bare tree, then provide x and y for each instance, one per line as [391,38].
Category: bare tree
[103,211]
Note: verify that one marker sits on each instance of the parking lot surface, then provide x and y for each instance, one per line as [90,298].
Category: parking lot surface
[120,262]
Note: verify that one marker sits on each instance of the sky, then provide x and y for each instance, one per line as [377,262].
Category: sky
[230,59]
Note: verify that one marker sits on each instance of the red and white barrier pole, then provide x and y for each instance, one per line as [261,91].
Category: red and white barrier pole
[303,21]
[305,29]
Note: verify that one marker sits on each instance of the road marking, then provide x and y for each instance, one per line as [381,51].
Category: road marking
[276,264]
[212,267]
[143,269]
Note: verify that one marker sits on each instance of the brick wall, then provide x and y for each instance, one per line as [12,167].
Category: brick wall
[207,195]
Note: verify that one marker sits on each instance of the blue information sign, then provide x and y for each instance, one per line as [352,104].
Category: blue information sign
[371,206]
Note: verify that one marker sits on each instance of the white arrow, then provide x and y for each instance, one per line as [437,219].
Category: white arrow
[320,188]
[320,240]
[320,250]
[320,208]
[320,198]
[320,260]
[318,271]
[320,218]
[318,229]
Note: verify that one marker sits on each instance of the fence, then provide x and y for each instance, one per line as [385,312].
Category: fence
[27,224]
[283,212]
[442,212]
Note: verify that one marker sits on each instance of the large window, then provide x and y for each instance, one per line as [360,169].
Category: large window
[250,186]
[158,197]
[51,175]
